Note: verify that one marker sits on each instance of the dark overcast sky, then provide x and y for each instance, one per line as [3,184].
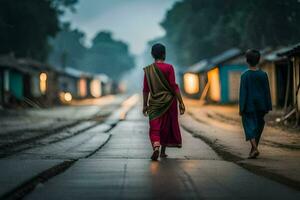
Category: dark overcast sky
[134,21]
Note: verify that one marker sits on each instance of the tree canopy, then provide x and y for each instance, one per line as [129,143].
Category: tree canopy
[67,47]
[32,29]
[108,56]
[25,26]
[202,28]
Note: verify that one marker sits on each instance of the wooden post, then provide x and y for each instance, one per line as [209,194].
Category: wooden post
[297,87]
[287,87]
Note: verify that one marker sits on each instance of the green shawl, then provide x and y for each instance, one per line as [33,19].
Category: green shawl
[161,94]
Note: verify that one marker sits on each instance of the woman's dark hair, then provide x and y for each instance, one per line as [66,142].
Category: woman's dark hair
[158,51]
[252,57]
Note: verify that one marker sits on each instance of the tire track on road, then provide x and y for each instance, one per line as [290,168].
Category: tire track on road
[28,186]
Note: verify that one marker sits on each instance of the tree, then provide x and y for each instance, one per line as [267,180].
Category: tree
[202,28]
[25,26]
[61,5]
[67,48]
[108,56]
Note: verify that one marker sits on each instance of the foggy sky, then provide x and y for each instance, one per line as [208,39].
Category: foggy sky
[133,21]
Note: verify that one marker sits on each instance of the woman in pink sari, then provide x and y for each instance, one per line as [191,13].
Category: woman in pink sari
[161,94]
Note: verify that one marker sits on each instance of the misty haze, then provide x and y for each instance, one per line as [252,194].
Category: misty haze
[149,99]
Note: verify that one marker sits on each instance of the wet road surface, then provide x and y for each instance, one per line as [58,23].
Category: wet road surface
[122,170]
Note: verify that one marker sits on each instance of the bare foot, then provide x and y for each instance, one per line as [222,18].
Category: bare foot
[253,154]
[155,154]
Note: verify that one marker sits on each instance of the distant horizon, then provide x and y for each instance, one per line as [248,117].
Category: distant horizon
[133,21]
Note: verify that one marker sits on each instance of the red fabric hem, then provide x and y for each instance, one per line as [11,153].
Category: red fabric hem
[172,145]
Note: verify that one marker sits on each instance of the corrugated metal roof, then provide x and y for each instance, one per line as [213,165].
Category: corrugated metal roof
[208,64]
[103,77]
[294,50]
[197,67]
[273,56]
[226,56]
[72,72]
[34,64]
[77,73]
[10,62]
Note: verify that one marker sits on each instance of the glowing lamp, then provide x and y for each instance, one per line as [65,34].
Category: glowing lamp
[96,88]
[191,83]
[82,87]
[65,97]
[68,97]
[43,82]
[214,84]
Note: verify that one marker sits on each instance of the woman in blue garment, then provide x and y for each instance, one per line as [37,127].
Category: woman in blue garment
[255,100]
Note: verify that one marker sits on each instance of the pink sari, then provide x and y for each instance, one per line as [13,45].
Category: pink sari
[164,130]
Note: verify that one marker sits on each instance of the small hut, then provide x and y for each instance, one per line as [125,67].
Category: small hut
[279,70]
[12,80]
[293,82]
[218,78]
[67,84]
[83,80]
[195,79]
[40,85]
[100,85]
